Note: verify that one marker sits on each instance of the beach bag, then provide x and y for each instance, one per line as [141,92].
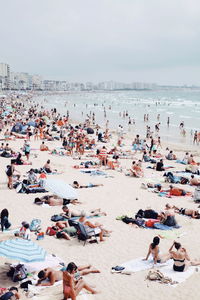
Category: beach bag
[196,196]
[56,218]
[19,273]
[35,225]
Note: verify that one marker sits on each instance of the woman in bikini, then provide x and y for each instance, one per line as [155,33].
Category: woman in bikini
[181,258]
[71,286]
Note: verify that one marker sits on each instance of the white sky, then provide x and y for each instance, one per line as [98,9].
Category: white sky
[97,40]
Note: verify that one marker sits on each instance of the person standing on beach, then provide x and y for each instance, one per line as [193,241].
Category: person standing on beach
[195,140]
[168,121]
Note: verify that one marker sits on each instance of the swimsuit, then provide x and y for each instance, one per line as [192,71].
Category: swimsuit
[179,268]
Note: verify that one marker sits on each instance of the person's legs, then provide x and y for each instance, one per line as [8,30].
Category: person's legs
[66,236]
[82,285]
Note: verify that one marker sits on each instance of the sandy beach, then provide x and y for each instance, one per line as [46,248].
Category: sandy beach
[119,195]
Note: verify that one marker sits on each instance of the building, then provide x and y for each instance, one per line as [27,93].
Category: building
[4,76]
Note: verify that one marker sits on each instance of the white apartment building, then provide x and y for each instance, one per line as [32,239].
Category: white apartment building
[4,76]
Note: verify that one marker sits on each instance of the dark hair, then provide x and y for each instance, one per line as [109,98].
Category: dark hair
[75,182]
[4,213]
[192,176]
[13,288]
[41,274]
[71,267]
[48,161]
[156,241]
[26,226]
[65,207]
[37,201]
[177,245]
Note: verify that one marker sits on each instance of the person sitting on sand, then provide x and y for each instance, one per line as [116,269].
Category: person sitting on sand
[43,147]
[191,160]
[70,213]
[171,156]
[71,286]
[76,185]
[53,200]
[93,228]
[194,180]
[49,274]
[181,258]
[4,215]
[136,170]
[11,294]
[195,214]
[147,158]
[167,217]
[155,252]
[160,165]
[47,167]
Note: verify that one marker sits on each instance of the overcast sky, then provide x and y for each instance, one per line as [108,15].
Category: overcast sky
[97,40]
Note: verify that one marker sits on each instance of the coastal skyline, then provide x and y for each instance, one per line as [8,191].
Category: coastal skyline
[127,41]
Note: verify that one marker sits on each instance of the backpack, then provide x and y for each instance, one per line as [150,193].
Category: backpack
[35,225]
[56,218]
[17,273]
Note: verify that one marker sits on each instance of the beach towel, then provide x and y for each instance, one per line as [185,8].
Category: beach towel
[164,227]
[138,264]
[180,277]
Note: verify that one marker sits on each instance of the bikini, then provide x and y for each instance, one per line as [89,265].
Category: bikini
[179,268]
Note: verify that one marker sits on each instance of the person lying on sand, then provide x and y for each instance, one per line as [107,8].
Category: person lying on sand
[71,286]
[195,214]
[50,276]
[53,200]
[181,258]
[10,294]
[174,191]
[76,185]
[70,213]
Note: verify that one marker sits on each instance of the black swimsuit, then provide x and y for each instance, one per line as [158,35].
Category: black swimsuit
[179,268]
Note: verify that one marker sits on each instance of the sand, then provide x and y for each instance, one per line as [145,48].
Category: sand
[117,197]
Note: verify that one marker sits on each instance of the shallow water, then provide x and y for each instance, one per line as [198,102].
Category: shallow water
[178,105]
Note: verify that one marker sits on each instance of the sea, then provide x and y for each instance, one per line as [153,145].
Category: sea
[179,105]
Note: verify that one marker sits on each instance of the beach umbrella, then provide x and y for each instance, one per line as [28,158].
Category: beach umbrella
[22,250]
[60,188]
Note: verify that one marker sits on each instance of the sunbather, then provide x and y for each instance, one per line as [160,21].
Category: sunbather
[194,180]
[155,252]
[49,274]
[96,228]
[53,200]
[11,293]
[71,286]
[195,214]
[70,213]
[76,185]
[181,258]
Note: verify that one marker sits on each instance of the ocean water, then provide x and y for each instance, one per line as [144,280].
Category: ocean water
[179,105]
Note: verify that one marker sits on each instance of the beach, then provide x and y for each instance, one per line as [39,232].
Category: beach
[120,195]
